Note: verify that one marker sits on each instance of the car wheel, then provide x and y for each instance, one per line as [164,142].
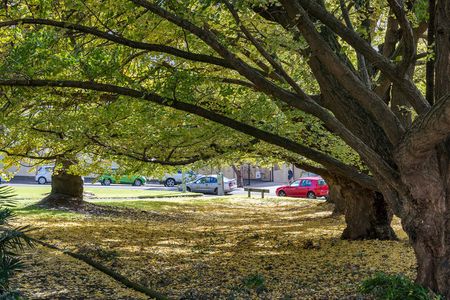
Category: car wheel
[137,182]
[42,180]
[281,194]
[216,191]
[170,182]
[107,182]
[188,189]
[311,195]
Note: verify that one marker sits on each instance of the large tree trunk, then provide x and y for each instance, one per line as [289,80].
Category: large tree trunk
[67,189]
[425,216]
[366,212]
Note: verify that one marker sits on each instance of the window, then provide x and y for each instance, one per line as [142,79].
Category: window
[322,182]
[306,182]
[212,180]
[295,183]
[202,180]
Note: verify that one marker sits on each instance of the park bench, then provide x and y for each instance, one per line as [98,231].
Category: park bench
[262,191]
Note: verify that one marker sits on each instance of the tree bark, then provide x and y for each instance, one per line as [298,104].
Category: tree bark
[335,195]
[425,216]
[239,178]
[67,189]
[366,211]
[367,214]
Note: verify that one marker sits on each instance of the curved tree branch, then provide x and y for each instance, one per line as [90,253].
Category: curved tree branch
[409,46]
[367,99]
[352,38]
[428,130]
[361,60]
[301,100]
[327,161]
[110,36]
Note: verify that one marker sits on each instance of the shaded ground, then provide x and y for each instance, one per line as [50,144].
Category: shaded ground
[207,249]
[34,192]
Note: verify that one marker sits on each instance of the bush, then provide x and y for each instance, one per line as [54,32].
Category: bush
[12,241]
[394,287]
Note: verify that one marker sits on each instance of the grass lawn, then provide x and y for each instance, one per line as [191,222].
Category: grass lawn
[215,248]
[40,191]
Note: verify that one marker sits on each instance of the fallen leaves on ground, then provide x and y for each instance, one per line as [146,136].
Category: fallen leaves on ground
[234,249]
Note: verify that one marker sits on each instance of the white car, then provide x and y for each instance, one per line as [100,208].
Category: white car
[44,174]
[209,184]
[173,179]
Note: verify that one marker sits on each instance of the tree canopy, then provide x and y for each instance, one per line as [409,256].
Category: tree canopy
[347,71]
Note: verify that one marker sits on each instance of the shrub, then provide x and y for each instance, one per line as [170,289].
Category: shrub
[12,241]
[393,287]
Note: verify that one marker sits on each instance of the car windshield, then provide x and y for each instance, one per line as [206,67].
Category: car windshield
[295,183]
[202,180]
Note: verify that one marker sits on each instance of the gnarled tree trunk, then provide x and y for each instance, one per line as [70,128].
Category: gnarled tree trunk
[367,214]
[67,189]
[425,218]
[425,170]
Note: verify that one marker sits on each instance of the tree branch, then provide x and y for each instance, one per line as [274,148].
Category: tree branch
[276,65]
[428,130]
[306,104]
[143,157]
[352,38]
[409,46]
[361,60]
[327,161]
[110,36]
[430,50]
[368,99]
[37,157]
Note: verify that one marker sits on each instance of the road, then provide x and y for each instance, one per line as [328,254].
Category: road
[159,187]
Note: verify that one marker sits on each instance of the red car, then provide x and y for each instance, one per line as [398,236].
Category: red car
[306,187]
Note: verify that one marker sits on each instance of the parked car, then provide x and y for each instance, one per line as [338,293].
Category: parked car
[108,179]
[44,174]
[209,184]
[174,179]
[306,187]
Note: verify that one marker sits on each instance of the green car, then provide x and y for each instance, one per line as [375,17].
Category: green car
[107,179]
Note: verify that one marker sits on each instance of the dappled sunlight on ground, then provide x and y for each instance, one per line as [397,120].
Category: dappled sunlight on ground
[233,248]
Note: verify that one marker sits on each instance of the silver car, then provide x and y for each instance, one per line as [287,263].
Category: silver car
[44,174]
[208,184]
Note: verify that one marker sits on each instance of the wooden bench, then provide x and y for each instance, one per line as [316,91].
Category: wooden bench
[262,191]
